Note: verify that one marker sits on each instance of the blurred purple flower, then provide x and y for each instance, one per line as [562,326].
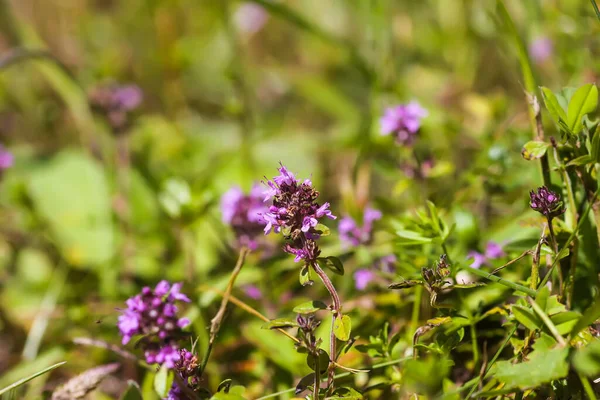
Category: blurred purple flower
[492,251]
[252,291]
[386,263]
[249,18]
[6,158]
[351,234]
[541,49]
[362,277]
[244,213]
[115,102]
[403,121]
[153,314]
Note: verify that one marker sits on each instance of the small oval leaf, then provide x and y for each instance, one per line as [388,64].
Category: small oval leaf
[280,323]
[310,307]
[342,328]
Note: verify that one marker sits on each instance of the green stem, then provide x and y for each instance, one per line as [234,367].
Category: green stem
[501,281]
[474,344]
[582,218]
[317,382]
[549,324]
[595,8]
[589,391]
[414,321]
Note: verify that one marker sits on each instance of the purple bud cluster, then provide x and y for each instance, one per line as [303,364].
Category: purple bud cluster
[115,102]
[546,202]
[244,213]
[403,122]
[187,368]
[352,234]
[295,213]
[153,315]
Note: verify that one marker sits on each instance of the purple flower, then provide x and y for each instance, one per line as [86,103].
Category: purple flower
[492,251]
[250,18]
[403,122]
[253,292]
[362,277]
[386,263]
[295,213]
[6,158]
[352,234]
[541,49]
[153,315]
[246,214]
[546,202]
[116,102]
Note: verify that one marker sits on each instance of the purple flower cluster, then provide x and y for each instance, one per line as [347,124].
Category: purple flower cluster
[295,213]
[403,122]
[364,276]
[244,213]
[187,368]
[492,251]
[116,102]
[153,314]
[541,49]
[546,202]
[352,234]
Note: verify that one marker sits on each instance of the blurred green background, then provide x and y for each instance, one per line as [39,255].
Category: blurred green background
[230,89]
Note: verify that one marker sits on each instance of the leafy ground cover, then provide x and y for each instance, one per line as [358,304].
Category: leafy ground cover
[299,199]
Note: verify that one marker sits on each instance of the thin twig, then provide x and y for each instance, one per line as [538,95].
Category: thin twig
[514,260]
[215,323]
[336,312]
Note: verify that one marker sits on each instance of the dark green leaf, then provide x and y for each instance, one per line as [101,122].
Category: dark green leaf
[581,160]
[224,386]
[527,317]
[304,383]
[323,361]
[333,263]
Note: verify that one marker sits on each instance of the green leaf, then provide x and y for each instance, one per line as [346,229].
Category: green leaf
[163,381]
[342,327]
[554,108]
[27,379]
[323,361]
[280,323]
[466,285]
[581,160]
[304,383]
[224,386]
[565,321]
[591,314]
[333,263]
[584,101]
[534,149]
[310,307]
[587,359]
[133,391]
[527,317]
[542,367]
[306,275]
[411,238]
[322,230]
